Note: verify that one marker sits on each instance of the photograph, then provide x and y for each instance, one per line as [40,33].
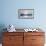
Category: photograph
[26,13]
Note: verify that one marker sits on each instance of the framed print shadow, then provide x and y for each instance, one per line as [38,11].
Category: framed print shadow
[26,13]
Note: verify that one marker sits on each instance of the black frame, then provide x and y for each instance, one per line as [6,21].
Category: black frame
[29,15]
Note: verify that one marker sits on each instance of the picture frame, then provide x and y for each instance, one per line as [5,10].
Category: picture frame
[26,13]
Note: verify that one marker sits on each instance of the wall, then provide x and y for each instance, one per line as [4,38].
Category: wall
[9,13]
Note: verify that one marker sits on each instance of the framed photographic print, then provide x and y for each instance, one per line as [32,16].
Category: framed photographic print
[25,13]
